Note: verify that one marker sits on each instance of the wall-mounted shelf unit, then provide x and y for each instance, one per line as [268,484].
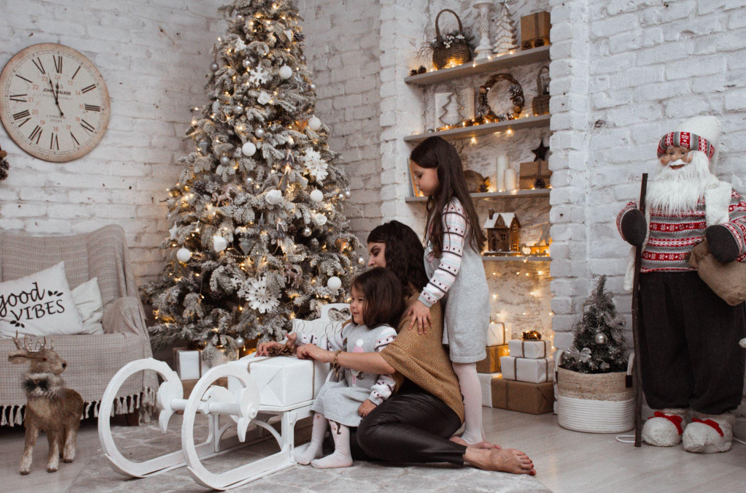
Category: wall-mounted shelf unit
[496,195]
[495,258]
[519,57]
[484,129]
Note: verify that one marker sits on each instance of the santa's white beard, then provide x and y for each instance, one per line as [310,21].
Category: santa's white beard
[674,191]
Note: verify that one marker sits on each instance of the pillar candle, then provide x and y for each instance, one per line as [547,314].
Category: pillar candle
[501,164]
[509,178]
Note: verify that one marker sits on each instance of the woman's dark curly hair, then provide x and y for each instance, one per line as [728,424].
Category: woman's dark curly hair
[403,254]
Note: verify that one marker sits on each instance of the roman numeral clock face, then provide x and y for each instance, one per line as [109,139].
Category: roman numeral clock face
[53,102]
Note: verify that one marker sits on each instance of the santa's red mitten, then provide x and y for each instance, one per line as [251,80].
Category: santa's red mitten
[664,428]
[633,227]
[709,434]
[722,244]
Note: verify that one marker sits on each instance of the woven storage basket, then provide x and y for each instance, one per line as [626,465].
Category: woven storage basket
[595,403]
[541,103]
[457,54]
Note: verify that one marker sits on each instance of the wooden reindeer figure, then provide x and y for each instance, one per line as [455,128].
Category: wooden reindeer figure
[50,407]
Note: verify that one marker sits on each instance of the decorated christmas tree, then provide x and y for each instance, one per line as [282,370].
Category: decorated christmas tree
[598,342]
[258,236]
[505,32]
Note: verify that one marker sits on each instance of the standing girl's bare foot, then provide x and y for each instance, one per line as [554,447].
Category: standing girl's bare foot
[510,460]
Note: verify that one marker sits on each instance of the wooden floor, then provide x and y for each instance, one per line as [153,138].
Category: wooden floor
[565,461]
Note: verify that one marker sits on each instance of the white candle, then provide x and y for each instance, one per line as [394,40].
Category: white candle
[509,178]
[501,164]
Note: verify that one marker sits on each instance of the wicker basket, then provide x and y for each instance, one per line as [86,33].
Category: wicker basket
[541,103]
[456,54]
[596,403]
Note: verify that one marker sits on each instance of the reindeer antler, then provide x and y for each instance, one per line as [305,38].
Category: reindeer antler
[38,346]
[17,342]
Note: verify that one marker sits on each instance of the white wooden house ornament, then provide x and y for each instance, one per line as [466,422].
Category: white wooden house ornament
[502,231]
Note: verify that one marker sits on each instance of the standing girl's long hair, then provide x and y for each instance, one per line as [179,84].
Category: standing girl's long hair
[435,152]
[403,254]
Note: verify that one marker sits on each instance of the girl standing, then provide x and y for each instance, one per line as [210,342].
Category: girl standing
[377,304]
[454,266]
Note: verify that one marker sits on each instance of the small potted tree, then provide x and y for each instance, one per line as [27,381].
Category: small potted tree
[595,394]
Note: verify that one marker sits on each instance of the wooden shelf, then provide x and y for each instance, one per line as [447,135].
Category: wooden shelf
[484,129]
[496,195]
[520,57]
[497,258]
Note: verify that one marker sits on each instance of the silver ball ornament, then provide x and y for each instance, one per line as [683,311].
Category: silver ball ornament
[340,196]
[240,341]
[225,161]
[306,232]
[600,338]
[260,133]
[246,63]
[250,181]
[238,109]
[213,66]
[361,261]
[302,58]
[348,194]
[312,87]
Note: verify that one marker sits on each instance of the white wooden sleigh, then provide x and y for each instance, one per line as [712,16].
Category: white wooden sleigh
[239,406]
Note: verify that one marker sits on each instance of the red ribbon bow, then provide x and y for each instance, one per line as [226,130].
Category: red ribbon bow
[710,423]
[676,420]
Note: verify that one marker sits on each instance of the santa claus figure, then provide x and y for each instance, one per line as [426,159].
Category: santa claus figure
[691,361]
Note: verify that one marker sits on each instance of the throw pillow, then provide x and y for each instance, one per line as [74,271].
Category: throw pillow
[90,305]
[39,305]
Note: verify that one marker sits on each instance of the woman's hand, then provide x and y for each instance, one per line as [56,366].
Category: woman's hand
[311,351]
[263,349]
[420,315]
[366,408]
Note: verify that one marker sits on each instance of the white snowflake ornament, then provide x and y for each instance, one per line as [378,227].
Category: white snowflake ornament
[259,296]
[314,163]
[259,76]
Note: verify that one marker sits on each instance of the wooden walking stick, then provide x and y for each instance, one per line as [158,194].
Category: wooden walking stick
[637,382]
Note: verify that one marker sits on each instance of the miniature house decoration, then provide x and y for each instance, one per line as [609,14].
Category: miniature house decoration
[502,231]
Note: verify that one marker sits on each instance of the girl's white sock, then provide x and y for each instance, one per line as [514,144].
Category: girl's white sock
[469,383]
[341,457]
[314,449]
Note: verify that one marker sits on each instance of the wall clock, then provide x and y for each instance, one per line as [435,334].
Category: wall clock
[53,102]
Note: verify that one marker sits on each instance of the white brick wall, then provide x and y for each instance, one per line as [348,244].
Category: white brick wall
[154,56]
[624,73]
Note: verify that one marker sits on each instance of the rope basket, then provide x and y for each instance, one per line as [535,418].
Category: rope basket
[541,103]
[595,403]
[456,54]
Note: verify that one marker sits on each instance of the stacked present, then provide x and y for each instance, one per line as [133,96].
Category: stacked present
[496,348]
[525,384]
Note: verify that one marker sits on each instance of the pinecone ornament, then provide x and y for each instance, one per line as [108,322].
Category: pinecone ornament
[200,188]
[4,166]
[299,37]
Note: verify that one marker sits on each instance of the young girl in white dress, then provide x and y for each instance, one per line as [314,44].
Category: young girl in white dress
[376,306]
[454,240]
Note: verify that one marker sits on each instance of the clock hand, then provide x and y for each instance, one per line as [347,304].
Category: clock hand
[58,98]
[55,98]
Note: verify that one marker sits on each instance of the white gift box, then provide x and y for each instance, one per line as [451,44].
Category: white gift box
[529,349]
[527,370]
[189,364]
[497,333]
[284,381]
[486,386]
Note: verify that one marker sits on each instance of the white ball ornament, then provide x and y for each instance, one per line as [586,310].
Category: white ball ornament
[315,123]
[334,283]
[361,261]
[249,149]
[285,72]
[316,196]
[219,244]
[183,255]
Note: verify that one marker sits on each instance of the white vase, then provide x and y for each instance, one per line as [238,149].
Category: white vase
[501,164]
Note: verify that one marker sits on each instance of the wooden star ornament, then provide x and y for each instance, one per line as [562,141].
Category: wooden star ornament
[540,153]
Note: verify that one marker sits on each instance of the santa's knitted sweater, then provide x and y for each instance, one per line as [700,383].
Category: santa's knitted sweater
[672,237]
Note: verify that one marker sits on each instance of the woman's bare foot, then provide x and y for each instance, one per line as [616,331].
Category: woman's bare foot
[510,460]
[480,445]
